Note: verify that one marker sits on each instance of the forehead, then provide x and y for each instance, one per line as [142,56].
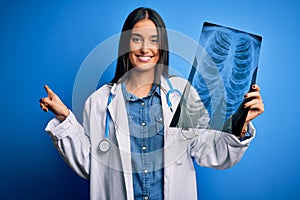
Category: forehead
[145,27]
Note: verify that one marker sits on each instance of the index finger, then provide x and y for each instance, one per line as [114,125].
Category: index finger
[253,94]
[48,90]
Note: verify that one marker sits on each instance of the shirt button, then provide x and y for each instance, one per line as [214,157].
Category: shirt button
[146,198]
[143,124]
[143,103]
[145,171]
[144,148]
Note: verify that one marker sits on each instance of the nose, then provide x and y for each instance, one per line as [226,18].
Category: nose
[144,47]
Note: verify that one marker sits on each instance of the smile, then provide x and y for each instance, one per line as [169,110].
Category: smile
[144,58]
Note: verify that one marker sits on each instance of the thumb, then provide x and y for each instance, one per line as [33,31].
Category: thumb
[255,88]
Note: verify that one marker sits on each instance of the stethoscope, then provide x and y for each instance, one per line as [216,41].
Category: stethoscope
[104,144]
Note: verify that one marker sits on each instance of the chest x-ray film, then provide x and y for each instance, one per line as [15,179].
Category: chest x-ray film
[223,71]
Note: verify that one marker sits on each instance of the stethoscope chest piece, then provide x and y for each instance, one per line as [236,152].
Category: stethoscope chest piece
[104,145]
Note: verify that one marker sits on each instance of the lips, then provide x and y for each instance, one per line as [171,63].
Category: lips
[144,58]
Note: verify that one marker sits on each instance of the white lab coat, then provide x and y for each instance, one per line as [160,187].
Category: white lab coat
[110,172]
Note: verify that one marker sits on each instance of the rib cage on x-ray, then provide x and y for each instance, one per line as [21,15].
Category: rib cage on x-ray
[224,70]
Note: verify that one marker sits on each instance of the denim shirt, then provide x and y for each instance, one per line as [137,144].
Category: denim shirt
[146,142]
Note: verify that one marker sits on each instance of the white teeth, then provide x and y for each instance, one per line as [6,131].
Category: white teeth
[144,58]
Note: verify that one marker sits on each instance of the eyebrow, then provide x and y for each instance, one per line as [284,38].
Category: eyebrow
[139,35]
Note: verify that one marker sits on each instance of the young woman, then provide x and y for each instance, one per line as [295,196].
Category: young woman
[125,145]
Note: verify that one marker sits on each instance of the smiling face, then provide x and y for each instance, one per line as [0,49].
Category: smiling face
[144,46]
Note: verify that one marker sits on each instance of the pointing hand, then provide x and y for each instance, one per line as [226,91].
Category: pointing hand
[54,104]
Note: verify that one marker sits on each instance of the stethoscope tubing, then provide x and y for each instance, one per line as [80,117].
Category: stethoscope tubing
[104,144]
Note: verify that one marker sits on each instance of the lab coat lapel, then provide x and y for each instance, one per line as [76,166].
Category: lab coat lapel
[118,113]
[174,98]
[167,113]
[174,146]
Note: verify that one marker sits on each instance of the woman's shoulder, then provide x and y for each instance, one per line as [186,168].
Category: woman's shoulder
[182,84]
[101,92]
[179,79]
[177,82]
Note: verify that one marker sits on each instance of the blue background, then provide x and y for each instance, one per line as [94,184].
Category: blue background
[46,42]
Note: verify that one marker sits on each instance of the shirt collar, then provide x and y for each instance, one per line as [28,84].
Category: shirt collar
[132,97]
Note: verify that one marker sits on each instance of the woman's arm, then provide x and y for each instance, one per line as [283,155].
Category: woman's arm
[221,150]
[69,137]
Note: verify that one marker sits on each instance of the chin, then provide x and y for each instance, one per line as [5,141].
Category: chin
[145,67]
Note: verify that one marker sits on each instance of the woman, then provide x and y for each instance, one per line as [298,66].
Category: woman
[125,145]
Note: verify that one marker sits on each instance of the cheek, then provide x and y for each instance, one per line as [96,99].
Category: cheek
[131,58]
[156,51]
[134,47]
[157,55]
[156,58]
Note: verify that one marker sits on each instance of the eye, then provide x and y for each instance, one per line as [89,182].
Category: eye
[136,39]
[154,41]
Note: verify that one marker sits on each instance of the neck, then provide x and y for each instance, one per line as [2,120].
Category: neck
[139,83]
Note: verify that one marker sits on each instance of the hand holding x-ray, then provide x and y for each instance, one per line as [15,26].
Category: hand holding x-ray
[255,105]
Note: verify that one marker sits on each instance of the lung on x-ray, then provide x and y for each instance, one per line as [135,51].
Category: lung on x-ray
[224,68]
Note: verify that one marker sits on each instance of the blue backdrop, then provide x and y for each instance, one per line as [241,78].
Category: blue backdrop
[46,42]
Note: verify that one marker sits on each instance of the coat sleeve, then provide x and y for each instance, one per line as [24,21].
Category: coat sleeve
[210,147]
[218,149]
[72,141]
